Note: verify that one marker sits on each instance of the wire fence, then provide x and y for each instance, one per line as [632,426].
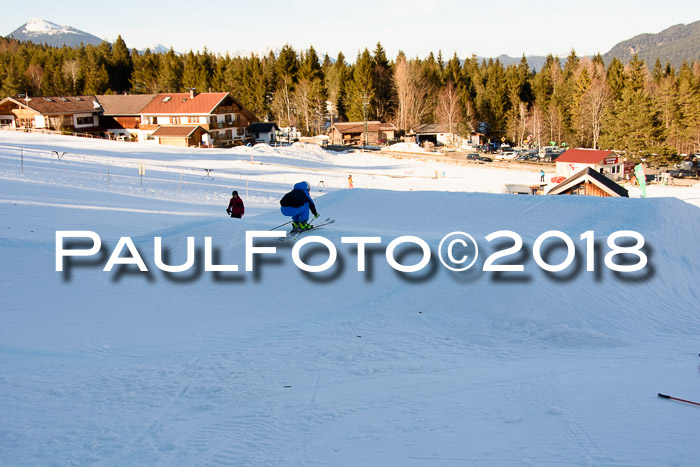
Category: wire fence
[134,175]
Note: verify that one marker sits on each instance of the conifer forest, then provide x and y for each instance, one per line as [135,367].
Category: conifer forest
[646,110]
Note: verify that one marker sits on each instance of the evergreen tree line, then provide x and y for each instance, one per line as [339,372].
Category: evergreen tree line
[581,102]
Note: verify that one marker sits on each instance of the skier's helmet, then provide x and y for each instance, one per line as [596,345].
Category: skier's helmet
[234,193]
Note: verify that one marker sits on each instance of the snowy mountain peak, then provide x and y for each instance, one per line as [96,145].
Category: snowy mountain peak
[41,31]
[41,26]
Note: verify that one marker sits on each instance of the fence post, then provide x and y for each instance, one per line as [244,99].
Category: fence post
[21,158]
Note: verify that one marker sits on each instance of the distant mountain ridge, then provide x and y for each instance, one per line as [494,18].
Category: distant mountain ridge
[40,31]
[674,44]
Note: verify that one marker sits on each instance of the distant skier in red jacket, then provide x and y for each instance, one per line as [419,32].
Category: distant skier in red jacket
[235,206]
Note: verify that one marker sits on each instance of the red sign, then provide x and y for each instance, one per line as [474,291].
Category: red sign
[610,161]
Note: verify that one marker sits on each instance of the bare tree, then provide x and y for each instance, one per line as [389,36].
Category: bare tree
[71,70]
[307,98]
[35,73]
[301,96]
[402,81]
[448,110]
[598,99]
[535,124]
[591,100]
[522,122]
[412,93]
[553,122]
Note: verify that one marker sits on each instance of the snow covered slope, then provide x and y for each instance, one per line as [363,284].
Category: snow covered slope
[342,367]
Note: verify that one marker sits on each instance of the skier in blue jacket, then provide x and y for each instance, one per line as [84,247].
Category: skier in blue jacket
[297,204]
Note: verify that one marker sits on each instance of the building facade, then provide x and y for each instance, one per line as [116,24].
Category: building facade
[225,120]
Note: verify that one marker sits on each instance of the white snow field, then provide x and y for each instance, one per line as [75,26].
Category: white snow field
[278,366]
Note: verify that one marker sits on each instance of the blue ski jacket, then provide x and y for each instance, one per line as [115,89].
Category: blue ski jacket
[297,197]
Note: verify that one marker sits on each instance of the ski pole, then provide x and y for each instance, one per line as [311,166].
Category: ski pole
[281,225]
[666,396]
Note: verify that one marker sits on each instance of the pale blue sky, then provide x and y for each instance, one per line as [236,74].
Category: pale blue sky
[417,27]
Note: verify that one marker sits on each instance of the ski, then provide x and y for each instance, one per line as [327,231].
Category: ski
[296,233]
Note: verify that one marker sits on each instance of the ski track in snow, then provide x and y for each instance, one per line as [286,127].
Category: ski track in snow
[285,368]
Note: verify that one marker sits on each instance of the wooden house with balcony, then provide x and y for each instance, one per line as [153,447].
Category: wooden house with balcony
[121,115]
[224,120]
[60,113]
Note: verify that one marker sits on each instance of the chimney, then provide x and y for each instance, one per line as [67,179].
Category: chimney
[193,92]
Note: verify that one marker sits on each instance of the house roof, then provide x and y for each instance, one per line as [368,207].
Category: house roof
[583,156]
[359,127]
[262,127]
[124,105]
[58,105]
[176,131]
[175,103]
[592,176]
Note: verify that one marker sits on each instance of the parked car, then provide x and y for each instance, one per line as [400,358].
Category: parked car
[683,173]
[485,159]
[507,156]
[544,150]
[685,169]
[473,157]
[551,156]
[522,157]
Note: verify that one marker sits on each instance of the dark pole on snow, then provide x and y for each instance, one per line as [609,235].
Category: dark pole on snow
[281,225]
[666,396]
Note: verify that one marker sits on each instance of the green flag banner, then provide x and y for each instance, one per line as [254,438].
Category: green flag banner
[641,179]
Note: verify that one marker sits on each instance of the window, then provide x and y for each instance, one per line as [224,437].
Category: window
[175,120]
[84,120]
[191,119]
[212,119]
[228,118]
[166,98]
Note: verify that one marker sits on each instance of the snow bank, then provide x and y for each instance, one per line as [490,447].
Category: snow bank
[404,147]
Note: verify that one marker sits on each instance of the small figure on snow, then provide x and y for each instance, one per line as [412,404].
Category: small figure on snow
[235,206]
[350,185]
[541,175]
[297,204]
